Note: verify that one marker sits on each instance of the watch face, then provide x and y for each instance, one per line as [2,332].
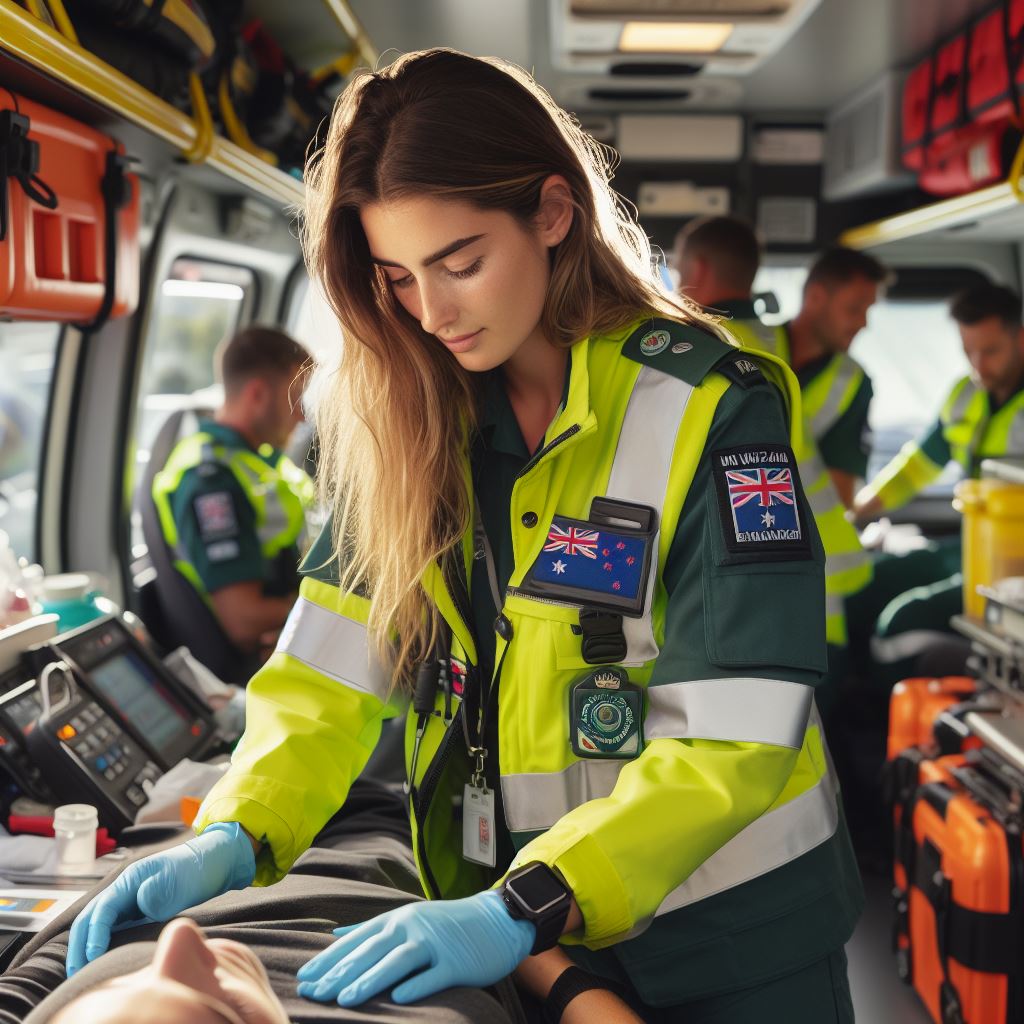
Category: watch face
[538,889]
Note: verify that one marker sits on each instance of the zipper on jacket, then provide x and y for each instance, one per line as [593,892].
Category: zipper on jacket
[553,443]
[519,592]
[422,795]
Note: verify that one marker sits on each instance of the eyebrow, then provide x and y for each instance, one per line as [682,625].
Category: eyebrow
[459,243]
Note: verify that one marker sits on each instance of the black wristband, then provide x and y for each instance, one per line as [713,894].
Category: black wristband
[568,985]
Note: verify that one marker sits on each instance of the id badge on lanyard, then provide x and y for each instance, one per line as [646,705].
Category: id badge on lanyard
[478,840]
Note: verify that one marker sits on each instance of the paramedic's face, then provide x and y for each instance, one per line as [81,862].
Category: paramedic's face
[475,279]
[842,311]
[995,352]
[192,980]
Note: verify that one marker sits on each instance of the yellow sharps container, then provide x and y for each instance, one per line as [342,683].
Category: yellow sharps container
[993,527]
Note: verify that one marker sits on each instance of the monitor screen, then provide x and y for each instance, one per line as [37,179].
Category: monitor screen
[128,683]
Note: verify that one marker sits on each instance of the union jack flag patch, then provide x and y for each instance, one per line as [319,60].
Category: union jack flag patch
[758,487]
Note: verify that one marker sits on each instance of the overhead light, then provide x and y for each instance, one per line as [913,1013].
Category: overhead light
[673,36]
[202,290]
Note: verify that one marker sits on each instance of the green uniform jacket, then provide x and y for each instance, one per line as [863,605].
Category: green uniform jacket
[718,857]
[835,397]
[967,431]
[231,514]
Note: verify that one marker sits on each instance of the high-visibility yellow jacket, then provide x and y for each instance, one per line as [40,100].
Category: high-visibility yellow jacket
[231,514]
[724,837]
[967,431]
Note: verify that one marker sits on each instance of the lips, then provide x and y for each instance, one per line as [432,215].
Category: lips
[462,343]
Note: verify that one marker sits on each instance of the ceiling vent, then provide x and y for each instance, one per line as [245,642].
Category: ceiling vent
[729,37]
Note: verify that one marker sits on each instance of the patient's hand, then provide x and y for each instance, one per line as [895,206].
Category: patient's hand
[538,973]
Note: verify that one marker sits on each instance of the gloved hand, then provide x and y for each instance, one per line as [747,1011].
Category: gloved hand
[163,885]
[440,943]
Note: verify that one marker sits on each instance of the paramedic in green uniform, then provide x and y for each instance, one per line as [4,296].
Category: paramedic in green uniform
[567,519]
[717,259]
[981,418]
[231,503]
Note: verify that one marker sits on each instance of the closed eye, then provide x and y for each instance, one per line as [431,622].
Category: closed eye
[468,272]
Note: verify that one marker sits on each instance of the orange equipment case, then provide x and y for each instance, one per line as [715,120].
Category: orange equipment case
[915,704]
[966,915]
[54,262]
[912,769]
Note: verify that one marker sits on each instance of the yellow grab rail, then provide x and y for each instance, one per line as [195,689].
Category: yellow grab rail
[41,46]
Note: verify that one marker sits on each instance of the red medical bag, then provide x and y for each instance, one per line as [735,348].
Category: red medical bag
[69,218]
[961,104]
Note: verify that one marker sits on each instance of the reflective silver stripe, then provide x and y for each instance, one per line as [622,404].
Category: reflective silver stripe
[905,645]
[741,710]
[536,800]
[959,407]
[829,411]
[834,604]
[772,840]
[640,472]
[275,518]
[334,645]
[847,560]
[1015,438]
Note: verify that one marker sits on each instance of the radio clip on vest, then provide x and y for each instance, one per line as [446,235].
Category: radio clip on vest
[603,564]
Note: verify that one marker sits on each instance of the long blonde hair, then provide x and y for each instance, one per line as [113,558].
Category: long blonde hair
[393,419]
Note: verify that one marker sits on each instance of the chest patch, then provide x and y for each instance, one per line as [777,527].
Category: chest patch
[215,513]
[757,489]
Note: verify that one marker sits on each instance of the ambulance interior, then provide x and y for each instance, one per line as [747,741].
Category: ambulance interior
[788,113]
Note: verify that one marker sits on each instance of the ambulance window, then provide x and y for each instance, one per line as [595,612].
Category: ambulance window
[912,353]
[200,305]
[28,353]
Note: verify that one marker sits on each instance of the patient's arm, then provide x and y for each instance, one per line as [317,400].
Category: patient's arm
[538,973]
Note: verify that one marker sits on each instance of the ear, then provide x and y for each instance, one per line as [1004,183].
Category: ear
[555,210]
[256,389]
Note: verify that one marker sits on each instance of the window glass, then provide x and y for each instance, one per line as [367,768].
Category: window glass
[912,353]
[28,354]
[199,308]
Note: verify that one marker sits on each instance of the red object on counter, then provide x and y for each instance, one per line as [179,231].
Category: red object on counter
[42,825]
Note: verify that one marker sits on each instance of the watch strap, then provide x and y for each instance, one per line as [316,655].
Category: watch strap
[568,985]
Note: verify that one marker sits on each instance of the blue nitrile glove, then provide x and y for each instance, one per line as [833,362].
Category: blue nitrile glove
[440,943]
[158,887]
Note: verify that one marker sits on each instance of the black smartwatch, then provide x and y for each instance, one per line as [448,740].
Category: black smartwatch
[538,895]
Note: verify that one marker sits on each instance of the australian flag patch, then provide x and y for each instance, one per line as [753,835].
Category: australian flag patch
[758,500]
[586,563]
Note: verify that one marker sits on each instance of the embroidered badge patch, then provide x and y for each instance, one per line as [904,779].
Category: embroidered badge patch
[222,550]
[600,561]
[758,489]
[654,342]
[215,513]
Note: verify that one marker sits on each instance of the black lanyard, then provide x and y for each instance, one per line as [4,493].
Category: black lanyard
[477,689]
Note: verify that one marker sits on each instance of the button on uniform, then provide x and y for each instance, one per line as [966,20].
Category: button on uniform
[529,519]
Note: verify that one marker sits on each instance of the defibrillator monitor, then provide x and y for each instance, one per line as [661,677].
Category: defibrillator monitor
[601,562]
[138,690]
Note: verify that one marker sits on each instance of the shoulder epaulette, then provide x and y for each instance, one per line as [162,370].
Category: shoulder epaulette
[320,562]
[685,351]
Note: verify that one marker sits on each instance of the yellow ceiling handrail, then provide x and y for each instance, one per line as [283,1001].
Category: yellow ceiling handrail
[40,46]
[346,18]
[200,149]
[937,216]
[62,21]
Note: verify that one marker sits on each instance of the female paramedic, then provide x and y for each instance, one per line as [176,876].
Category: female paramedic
[567,521]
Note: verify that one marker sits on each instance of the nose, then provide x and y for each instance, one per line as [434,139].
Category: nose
[437,311]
